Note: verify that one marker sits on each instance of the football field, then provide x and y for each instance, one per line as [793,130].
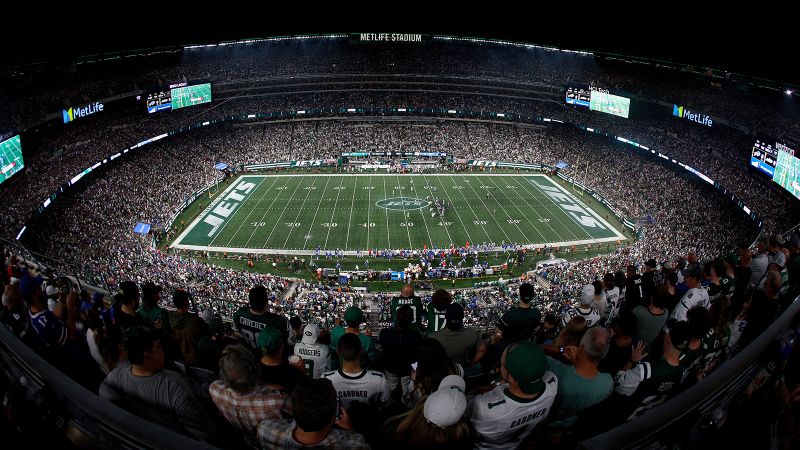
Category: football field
[295,214]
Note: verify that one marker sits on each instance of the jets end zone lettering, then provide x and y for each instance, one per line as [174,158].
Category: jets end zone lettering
[569,205]
[402,203]
[317,162]
[482,163]
[225,208]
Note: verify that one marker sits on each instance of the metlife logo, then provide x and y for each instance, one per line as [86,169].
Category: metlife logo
[702,119]
[73,113]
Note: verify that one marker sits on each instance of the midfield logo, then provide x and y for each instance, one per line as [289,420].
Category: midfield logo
[402,203]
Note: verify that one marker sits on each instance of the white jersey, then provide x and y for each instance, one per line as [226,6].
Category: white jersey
[693,297]
[612,297]
[316,358]
[368,387]
[503,421]
[591,315]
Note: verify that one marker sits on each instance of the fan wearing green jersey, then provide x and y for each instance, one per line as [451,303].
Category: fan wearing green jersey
[436,311]
[407,297]
[248,321]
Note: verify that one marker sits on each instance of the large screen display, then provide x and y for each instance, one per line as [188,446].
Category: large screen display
[787,173]
[579,96]
[11,160]
[159,101]
[609,103]
[191,95]
[764,155]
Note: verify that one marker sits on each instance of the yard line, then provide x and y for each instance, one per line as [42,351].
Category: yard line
[327,180]
[442,221]
[405,214]
[300,210]
[230,219]
[495,218]
[247,244]
[535,228]
[388,235]
[466,231]
[535,209]
[425,221]
[530,182]
[477,219]
[339,192]
[247,219]
[278,220]
[349,219]
[369,208]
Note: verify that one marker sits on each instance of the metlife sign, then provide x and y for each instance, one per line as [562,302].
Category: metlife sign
[81,111]
[685,113]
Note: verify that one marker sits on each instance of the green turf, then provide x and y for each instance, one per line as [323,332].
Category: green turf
[297,213]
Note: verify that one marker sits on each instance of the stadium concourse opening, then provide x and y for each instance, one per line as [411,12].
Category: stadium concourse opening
[353,213]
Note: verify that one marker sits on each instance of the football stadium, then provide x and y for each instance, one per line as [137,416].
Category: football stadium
[395,240]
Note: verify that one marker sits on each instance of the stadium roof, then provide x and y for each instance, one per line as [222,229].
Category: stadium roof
[690,38]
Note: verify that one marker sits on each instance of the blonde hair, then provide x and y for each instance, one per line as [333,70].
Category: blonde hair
[415,430]
[572,333]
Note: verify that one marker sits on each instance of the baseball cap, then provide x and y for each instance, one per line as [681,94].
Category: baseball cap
[129,289]
[310,334]
[447,405]
[454,316]
[269,339]
[526,362]
[526,292]
[651,263]
[51,291]
[353,314]
[28,285]
[587,294]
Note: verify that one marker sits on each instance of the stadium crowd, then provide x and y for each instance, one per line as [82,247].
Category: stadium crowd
[536,378]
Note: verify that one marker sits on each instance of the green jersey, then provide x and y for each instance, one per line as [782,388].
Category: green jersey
[248,325]
[368,354]
[416,306]
[436,319]
[519,324]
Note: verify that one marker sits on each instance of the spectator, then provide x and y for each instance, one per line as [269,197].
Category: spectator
[759,264]
[462,344]
[210,347]
[505,416]
[572,333]
[353,316]
[187,327]
[651,319]
[126,303]
[153,315]
[276,372]
[520,323]
[432,367]
[623,339]
[249,321]
[13,313]
[586,310]
[438,422]
[315,356]
[612,298]
[436,311]
[633,289]
[50,330]
[695,296]
[400,348]
[162,396]
[407,297]
[549,330]
[352,382]
[316,411]
[580,383]
[238,395]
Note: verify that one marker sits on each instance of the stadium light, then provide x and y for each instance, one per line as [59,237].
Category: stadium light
[789,92]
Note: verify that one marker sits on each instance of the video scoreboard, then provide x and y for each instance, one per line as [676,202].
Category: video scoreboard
[11,160]
[394,154]
[787,173]
[177,96]
[579,96]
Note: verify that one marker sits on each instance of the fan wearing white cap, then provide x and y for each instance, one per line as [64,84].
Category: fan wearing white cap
[585,310]
[316,357]
[438,421]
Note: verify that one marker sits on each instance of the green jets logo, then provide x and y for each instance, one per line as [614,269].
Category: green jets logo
[402,203]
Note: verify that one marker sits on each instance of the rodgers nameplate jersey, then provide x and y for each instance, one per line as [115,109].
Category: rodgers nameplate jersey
[316,358]
[368,387]
[503,421]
